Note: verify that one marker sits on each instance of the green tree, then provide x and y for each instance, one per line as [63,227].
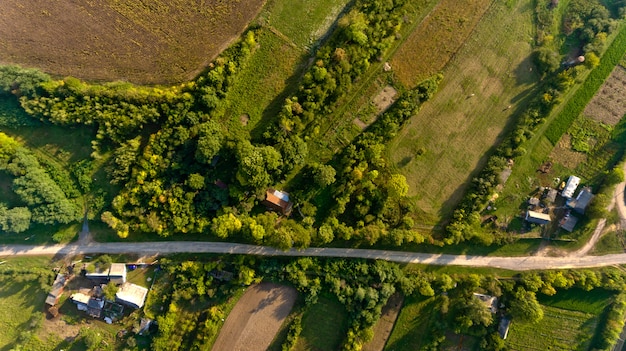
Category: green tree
[324,175]
[225,225]
[398,187]
[110,290]
[524,306]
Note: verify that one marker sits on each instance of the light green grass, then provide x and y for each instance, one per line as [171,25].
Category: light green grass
[458,131]
[593,302]
[21,295]
[559,329]
[304,21]
[324,326]
[259,91]
[412,326]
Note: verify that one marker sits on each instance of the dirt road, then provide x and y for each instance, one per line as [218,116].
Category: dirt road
[156,248]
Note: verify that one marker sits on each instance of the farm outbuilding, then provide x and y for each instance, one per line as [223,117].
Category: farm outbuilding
[568,223]
[116,273]
[570,187]
[537,217]
[503,328]
[582,200]
[57,290]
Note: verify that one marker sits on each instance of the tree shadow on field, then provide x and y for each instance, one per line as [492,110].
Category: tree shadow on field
[270,113]
[521,102]
[526,73]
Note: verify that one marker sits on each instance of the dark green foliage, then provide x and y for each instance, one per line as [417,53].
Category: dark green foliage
[14,220]
[295,328]
[20,81]
[46,202]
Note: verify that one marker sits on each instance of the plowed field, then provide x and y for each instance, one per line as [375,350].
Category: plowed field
[142,41]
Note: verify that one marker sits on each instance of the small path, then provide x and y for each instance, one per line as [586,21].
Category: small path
[85,237]
[617,200]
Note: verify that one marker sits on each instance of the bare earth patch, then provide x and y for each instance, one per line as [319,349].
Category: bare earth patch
[140,41]
[384,326]
[385,98]
[256,318]
[609,104]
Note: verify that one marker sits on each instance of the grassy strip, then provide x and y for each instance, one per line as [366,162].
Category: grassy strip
[559,330]
[324,325]
[588,89]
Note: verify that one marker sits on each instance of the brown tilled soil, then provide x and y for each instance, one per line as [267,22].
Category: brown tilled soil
[384,326]
[256,318]
[150,42]
[609,104]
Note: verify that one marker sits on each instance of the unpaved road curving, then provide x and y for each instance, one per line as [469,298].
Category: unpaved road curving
[253,323]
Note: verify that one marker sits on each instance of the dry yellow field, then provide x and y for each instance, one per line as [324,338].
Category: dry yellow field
[436,39]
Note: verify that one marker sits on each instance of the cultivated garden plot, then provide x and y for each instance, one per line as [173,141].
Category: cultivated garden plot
[609,104]
[256,318]
[558,330]
[143,42]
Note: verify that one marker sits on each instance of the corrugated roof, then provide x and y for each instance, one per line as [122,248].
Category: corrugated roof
[132,294]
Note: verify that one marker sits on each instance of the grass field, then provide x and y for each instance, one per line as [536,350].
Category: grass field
[21,295]
[446,27]
[324,326]
[412,326]
[559,329]
[593,302]
[304,22]
[457,129]
[139,41]
[272,73]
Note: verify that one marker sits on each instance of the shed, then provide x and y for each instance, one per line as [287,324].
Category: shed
[117,273]
[537,217]
[570,187]
[277,200]
[131,295]
[568,223]
[57,290]
[533,201]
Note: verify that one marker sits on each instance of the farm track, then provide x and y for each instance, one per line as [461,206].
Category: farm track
[164,248]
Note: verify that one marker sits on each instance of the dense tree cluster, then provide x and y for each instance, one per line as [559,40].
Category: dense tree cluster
[44,201]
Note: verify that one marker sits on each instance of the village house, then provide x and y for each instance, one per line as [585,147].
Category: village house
[278,201]
[490,302]
[90,304]
[582,200]
[131,295]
